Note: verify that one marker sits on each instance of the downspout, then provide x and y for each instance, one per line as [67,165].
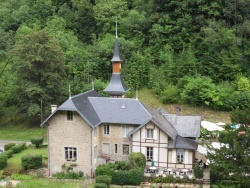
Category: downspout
[48,151]
[91,143]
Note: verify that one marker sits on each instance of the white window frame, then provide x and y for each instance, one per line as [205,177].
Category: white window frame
[149,133]
[106,129]
[125,149]
[70,153]
[180,155]
[125,130]
[70,115]
[149,153]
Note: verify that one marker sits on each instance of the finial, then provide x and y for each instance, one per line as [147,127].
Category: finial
[69,92]
[116,35]
[93,87]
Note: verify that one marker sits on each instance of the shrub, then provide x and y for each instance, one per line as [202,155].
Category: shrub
[198,172]
[137,159]
[8,146]
[121,165]
[100,185]
[3,161]
[67,175]
[105,169]
[132,177]
[8,153]
[170,95]
[37,141]
[32,161]
[18,148]
[103,179]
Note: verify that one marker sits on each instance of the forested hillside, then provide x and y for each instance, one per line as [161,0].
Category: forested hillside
[187,51]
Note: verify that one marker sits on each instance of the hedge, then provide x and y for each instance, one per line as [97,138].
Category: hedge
[36,141]
[9,146]
[104,179]
[3,161]
[133,176]
[32,161]
[18,148]
[100,185]
[8,153]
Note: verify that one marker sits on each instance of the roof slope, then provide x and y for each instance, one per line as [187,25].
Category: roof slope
[116,85]
[183,143]
[120,110]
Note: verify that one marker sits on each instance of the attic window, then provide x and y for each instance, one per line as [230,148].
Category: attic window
[70,115]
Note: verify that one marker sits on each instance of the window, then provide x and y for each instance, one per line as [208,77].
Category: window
[125,130]
[70,115]
[150,133]
[70,154]
[180,155]
[116,148]
[149,155]
[106,129]
[125,149]
[105,148]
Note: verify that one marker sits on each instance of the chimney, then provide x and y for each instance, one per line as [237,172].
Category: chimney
[53,108]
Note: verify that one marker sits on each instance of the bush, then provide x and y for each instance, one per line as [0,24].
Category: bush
[105,169]
[37,141]
[198,172]
[100,185]
[170,95]
[132,177]
[67,175]
[3,161]
[8,153]
[137,159]
[103,179]
[32,161]
[9,146]
[18,148]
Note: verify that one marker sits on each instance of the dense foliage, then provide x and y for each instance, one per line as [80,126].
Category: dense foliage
[196,52]
[120,173]
[37,141]
[230,165]
[32,161]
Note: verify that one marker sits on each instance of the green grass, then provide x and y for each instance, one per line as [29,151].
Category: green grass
[152,100]
[50,183]
[14,163]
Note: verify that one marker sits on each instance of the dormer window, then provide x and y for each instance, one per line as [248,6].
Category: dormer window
[150,133]
[70,115]
[106,129]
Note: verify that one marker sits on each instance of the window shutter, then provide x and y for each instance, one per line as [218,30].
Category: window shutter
[155,154]
[173,156]
[155,134]
[186,156]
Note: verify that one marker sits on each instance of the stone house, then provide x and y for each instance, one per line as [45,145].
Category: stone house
[88,130]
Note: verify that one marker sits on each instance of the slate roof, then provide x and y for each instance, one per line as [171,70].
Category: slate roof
[116,85]
[116,55]
[120,110]
[183,143]
[81,104]
[186,126]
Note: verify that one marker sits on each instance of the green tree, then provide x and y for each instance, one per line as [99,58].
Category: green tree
[39,63]
[231,163]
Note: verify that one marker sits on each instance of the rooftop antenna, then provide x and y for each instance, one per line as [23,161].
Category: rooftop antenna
[116,35]
[93,87]
[69,92]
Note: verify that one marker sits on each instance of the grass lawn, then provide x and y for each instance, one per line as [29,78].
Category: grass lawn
[50,183]
[14,163]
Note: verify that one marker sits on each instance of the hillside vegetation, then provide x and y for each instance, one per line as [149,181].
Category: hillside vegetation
[189,52]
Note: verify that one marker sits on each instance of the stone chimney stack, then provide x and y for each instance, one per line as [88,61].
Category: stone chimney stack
[53,108]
